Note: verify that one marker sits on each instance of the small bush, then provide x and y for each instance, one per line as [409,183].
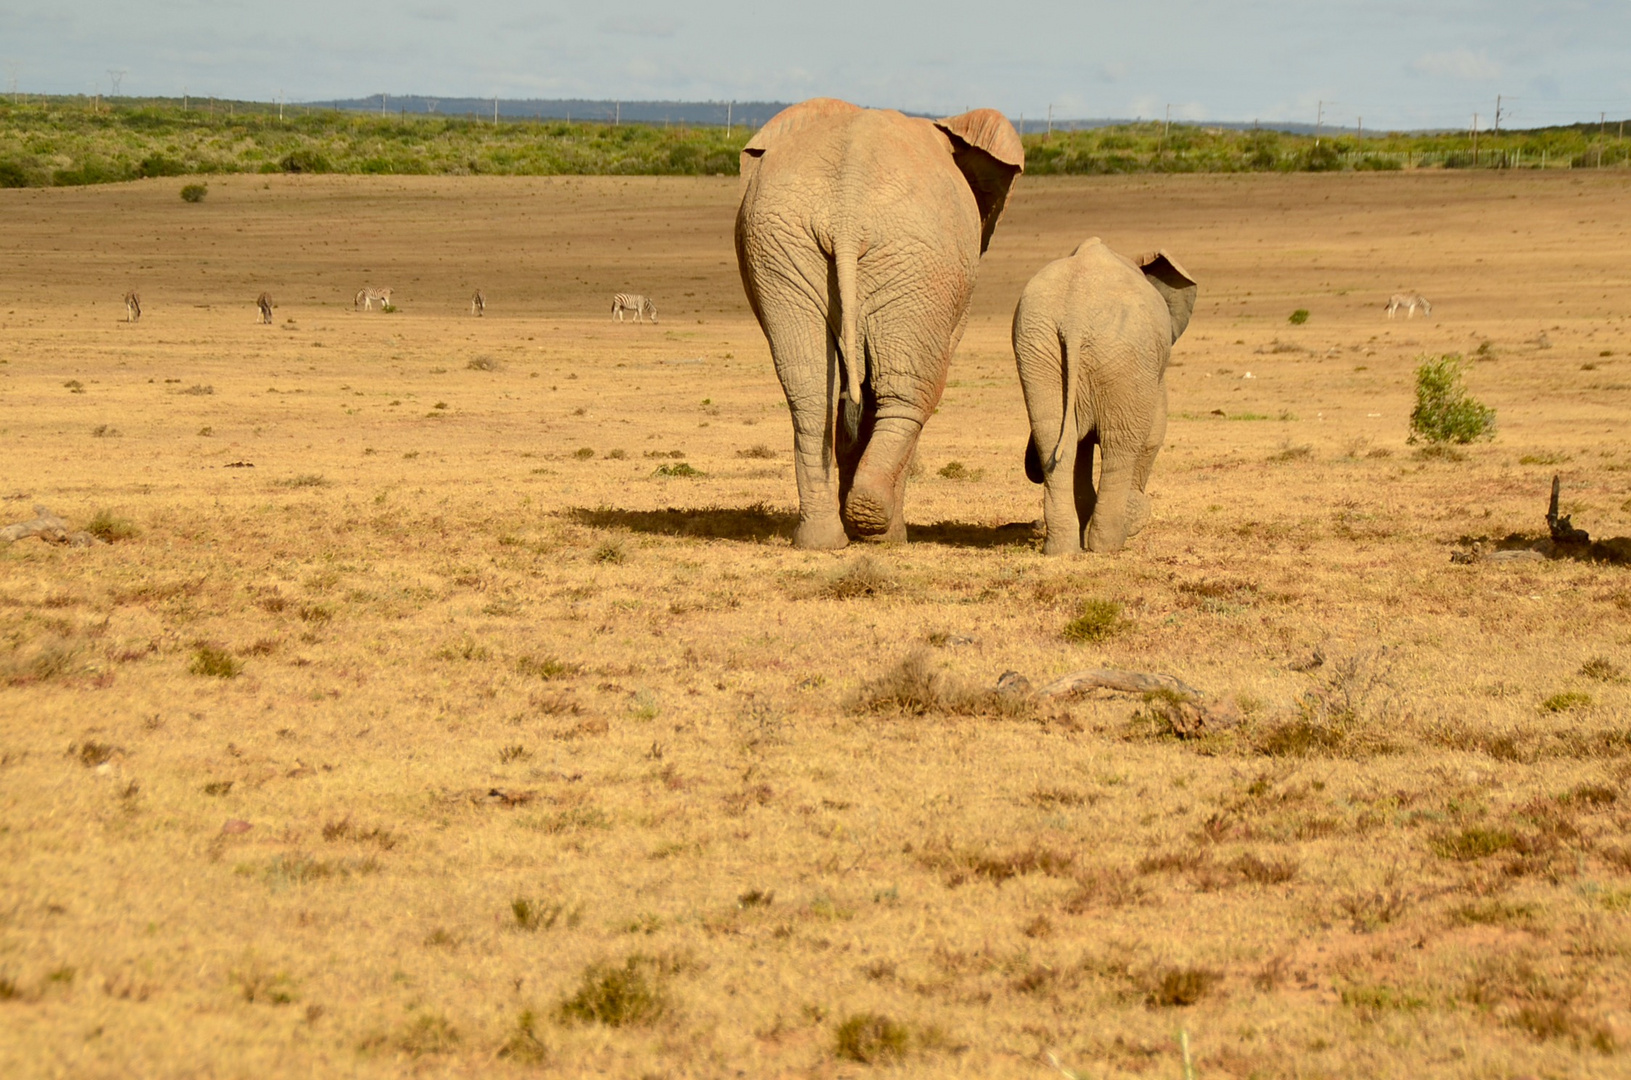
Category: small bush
[1603,669]
[635,992]
[871,1039]
[534,915]
[759,451]
[611,551]
[1444,413]
[583,453]
[1298,317]
[427,1033]
[105,526]
[524,1044]
[863,577]
[194,193]
[214,662]
[546,667]
[482,363]
[1180,986]
[956,470]
[197,390]
[678,468]
[1099,620]
[1474,843]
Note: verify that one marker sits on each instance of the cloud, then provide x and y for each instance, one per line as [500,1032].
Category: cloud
[1457,64]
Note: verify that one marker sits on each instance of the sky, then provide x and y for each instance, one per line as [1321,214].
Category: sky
[1426,63]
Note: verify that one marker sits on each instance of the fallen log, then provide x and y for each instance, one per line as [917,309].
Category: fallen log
[1128,682]
[50,528]
[1178,703]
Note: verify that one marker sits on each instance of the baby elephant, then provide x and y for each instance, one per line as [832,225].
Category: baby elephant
[1092,334]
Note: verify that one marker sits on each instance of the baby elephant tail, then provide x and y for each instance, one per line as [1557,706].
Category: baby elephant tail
[1067,423]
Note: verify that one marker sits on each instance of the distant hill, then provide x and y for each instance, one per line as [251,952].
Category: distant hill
[750,114]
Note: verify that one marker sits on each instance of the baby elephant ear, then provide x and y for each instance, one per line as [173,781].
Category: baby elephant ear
[785,123]
[1176,287]
[988,152]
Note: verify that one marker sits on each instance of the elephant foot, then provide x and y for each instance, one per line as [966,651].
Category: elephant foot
[1138,512]
[1103,545]
[868,515]
[824,535]
[1062,545]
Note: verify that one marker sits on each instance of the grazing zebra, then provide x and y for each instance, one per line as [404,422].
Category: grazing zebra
[133,307]
[264,302]
[478,304]
[365,298]
[640,305]
[1410,302]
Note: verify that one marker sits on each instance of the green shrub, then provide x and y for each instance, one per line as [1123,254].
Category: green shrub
[619,996]
[1099,621]
[1444,413]
[13,174]
[105,526]
[194,193]
[1566,701]
[214,662]
[1298,317]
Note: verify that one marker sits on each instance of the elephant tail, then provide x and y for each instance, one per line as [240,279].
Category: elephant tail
[1067,420]
[845,261]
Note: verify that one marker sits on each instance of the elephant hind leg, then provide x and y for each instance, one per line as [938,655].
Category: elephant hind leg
[1138,502]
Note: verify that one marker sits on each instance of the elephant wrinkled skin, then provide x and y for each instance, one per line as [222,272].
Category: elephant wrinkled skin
[858,238]
[1092,337]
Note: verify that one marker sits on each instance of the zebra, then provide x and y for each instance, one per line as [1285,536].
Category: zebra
[1410,302]
[264,302]
[365,298]
[133,307]
[478,304]
[640,305]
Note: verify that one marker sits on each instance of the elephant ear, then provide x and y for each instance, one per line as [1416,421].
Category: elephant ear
[784,124]
[988,152]
[1174,284]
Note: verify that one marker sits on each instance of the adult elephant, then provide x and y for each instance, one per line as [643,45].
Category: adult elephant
[858,238]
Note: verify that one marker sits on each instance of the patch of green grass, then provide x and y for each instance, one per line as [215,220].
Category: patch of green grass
[1545,459]
[194,193]
[546,667]
[1095,622]
[956,470]
[214,662]
[871,1039]
[1298,317]
[1566,701]
[1474,842]
[304,480]
[679,468]
[611,551]
[105,525]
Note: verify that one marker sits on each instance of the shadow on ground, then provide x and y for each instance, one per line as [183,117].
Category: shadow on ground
[760,522]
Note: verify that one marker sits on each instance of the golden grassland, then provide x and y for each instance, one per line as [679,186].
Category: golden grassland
[483,721]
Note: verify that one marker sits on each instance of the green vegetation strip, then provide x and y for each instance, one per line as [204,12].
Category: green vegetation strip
[47,141]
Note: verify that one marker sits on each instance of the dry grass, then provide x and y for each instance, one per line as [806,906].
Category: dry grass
[499,759]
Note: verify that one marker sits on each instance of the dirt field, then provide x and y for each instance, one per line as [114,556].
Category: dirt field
[417,723]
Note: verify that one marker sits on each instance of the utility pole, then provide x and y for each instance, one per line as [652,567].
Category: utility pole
[115,77]
[1475,140]
[1050,121]
[617,115]
[1601,123]
[495,110]
[729,106]
[183,99]
[1497,114]
[1361,134]
[280,106]
[382,104]
[1166,126]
